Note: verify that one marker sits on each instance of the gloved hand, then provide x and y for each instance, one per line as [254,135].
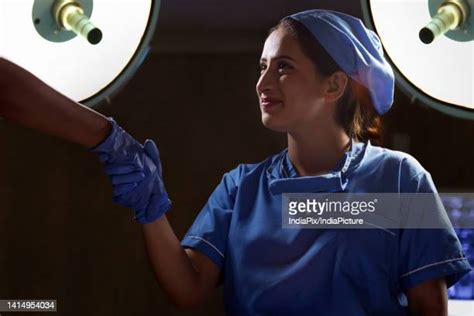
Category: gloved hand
[136,175]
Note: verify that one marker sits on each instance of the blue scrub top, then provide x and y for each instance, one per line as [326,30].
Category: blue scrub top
[268,270]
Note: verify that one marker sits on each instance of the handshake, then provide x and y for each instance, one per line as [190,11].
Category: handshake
[135,171]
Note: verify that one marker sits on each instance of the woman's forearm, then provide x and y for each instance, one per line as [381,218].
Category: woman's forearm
[428,298]
[28,101]
[173,269]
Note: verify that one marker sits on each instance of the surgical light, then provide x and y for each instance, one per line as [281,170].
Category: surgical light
[430,44]
[86,49]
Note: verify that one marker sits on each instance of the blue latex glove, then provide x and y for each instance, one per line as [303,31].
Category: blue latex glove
[136,175]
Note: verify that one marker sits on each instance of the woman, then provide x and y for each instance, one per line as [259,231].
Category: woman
[323,80]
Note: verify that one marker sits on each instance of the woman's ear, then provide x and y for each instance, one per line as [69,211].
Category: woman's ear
[335,86]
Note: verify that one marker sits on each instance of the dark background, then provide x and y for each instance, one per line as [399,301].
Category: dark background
[60,235]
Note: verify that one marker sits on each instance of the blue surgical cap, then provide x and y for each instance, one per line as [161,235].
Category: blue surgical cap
[356,49]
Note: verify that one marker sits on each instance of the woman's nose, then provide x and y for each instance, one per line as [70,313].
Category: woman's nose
[266,82]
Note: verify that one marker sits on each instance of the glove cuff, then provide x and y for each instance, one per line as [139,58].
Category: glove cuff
[104,148]
[117,146]
[153,211]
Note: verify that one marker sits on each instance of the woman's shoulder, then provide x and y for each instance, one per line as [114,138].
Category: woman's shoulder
[407,165]
[254,169]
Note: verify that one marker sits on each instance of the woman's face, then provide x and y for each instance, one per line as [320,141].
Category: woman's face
[289,89]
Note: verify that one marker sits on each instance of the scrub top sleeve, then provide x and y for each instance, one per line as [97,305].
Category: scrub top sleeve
[427,254]
[208,234]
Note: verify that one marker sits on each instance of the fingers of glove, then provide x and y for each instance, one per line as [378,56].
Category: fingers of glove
[124,188]
[119,169]
[152,151]
[133,177]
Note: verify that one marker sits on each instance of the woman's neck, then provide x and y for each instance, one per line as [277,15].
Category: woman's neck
[317,152]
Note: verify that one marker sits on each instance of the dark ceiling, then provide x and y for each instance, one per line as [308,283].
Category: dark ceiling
[228,26]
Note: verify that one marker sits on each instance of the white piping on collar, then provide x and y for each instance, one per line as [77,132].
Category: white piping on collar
[344,169]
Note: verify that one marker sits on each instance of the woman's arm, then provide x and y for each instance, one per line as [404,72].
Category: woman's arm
[28,101]
[429,298]
[187,276]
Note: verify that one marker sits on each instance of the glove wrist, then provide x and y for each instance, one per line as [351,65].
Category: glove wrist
[117,146]
[153,213]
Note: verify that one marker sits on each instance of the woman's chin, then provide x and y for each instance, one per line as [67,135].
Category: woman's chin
[272,124]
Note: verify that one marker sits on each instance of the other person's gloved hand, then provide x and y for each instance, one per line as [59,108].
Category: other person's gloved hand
[136,174]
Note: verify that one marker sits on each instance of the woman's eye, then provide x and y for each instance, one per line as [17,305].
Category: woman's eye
[283,66]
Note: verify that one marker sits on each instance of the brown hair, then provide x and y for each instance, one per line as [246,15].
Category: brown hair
[355,112]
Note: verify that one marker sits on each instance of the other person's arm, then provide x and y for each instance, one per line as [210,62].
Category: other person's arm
[28,101]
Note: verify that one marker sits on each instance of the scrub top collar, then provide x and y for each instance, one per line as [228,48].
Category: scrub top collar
[283,177]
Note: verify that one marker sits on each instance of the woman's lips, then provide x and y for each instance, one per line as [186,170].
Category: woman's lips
[270,105]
